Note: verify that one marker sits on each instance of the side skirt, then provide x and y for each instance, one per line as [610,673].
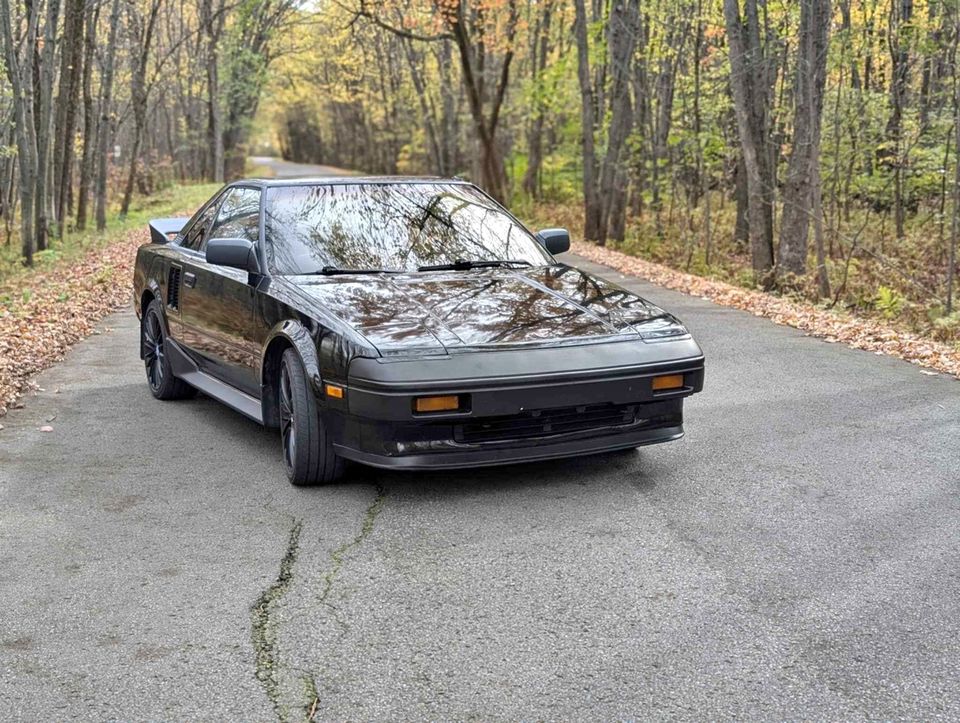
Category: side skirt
[184,368]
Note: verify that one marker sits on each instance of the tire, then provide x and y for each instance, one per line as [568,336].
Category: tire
[160,379]
[307,450]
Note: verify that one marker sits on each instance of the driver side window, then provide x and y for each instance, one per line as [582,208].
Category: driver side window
[239,215]
[193,239]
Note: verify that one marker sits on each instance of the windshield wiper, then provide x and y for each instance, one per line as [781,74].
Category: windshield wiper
[464,265]
[334,271]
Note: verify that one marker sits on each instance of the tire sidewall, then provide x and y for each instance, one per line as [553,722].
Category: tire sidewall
[170,387]
[153,309]
[314,461]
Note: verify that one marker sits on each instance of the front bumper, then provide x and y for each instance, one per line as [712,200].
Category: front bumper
[492,456]
[541,411]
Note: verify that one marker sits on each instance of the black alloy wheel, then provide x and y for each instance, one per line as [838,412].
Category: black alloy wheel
[307,449]
[288,433]
[163,384]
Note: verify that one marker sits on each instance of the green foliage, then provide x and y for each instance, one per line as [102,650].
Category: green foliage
[351,85]
[947,328]
[889,302]
[171,201]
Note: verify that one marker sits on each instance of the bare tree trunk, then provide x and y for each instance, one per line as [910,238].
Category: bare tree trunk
[591,197]
[538,63]
[89,119]
[823,277]
[623,27]
[44,197]
[66,110]
[492,168]
[143,32]
[212,19]
[749,77]
[668,62]
[104,133]
[900,18]
[8,197]
[426,106]
[803,169]
[955,225]
[928,71]
[21,75]
[450,123]
[741,229]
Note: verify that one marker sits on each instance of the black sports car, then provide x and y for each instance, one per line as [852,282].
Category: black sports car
[406,323]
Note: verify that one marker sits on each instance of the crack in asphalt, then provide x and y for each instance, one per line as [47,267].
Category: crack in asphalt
[337,556]
[263,626]
[313,698]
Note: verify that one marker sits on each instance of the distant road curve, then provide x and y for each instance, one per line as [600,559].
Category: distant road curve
[280,168]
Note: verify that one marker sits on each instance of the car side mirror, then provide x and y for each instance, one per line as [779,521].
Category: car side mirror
[237,253]
[557,240]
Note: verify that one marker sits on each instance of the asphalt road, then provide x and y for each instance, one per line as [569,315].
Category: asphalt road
[797,555]
[287,169]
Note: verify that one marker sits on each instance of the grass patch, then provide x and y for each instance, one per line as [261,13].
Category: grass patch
[173,200]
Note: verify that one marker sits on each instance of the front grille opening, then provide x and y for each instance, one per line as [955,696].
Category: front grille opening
[548,422]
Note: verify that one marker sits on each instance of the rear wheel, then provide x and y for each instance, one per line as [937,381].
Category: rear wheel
[162,383]
[307,449]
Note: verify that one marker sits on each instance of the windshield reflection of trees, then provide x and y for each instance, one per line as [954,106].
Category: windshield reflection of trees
[392,226]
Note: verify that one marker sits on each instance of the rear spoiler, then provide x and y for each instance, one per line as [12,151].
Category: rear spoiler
[163,230]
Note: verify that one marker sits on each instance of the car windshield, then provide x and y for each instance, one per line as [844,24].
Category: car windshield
[390,227]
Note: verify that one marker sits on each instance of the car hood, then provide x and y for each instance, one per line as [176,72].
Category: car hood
[499,307]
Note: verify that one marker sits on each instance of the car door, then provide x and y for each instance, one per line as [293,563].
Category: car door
[217,302]
[190,242]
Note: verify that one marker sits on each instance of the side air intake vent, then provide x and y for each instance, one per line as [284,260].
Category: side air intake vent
[173,288]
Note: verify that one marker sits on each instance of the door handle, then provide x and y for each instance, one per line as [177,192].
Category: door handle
[190,279]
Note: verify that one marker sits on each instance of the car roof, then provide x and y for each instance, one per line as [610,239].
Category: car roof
[340,180]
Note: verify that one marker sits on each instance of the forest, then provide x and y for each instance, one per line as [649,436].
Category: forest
[806,148]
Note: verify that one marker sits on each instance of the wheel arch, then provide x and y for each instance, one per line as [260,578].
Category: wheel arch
[150,294]
[148,268]
[285,335]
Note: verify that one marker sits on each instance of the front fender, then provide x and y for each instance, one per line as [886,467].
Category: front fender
[291,333]
[298,336]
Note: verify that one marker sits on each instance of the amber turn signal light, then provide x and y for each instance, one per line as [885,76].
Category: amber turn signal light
[450,403]
[669,381]
[333,391]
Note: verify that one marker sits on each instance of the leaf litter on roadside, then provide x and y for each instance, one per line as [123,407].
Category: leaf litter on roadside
[831,326]
[62,307]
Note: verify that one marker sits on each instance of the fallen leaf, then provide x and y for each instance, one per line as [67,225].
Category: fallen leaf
[831,325]
[65,303]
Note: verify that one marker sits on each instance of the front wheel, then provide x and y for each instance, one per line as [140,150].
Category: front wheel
[163,385]
[307,449]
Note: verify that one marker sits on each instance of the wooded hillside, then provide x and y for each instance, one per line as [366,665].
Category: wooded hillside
[102,98]
[808,147]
